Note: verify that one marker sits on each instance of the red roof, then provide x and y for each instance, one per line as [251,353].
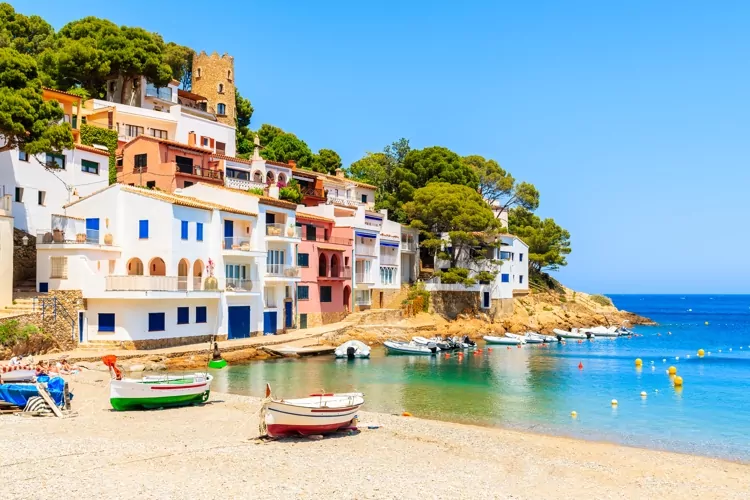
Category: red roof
[92,149]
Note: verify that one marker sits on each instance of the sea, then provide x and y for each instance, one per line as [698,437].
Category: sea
[537,388]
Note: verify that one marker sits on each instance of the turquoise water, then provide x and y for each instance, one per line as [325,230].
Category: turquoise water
[536,388]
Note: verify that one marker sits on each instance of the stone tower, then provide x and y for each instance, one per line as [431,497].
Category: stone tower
[213,78]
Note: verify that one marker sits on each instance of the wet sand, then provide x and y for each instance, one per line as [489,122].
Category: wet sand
[212,451]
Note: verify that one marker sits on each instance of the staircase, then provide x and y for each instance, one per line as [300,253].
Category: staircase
[25,289]
[19,307]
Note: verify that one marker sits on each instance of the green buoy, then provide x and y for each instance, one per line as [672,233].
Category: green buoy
[217,364]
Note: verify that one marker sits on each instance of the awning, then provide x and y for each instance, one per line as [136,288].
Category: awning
[388,244]
[372,217]
[365,235]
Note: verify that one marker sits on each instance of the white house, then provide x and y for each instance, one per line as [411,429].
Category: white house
[143,267]
[40,185]
[6,250]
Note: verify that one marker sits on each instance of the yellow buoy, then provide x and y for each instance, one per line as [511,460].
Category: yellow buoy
[573,414]
[701,353]
[706,323]
[672,370]
[678,381]
[638,362]
[643,394]
[614,402]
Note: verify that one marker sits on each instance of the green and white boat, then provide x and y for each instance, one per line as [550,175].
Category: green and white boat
[156,391]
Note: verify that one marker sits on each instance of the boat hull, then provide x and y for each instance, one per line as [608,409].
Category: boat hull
[394,348]
[14,375]
[359,350]
[283,419]
[151,393]
[502,340]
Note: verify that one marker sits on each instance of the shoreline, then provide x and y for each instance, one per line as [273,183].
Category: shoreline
[211,450]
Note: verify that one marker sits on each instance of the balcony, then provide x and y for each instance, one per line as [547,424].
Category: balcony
[340,200]
[282,270]
[344,273]
[408,246]
[389,259]
[242,244]
[244,184]
[78,236]
[238,285]
[331,239]
[198,171]
[163,93]
[366,250]
[279,230]
[365,278]
[312,192]
[145,283]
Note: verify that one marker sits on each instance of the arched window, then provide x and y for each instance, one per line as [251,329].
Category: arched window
[322,265]
[182,274]
[257,176]
[335,266]
[221,109]
[157,267]
[229,74]
[282,180]
[135,267]
[269,177]
[221,88]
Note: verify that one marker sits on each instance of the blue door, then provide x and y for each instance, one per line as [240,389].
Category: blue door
[239,322]
[92,230]
[228,233]
[269,322]
[80,326]
[486,300]
[288,314]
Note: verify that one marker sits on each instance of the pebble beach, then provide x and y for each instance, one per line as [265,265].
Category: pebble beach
[213,451]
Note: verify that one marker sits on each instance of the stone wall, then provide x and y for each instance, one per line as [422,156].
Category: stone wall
[24,257]
[451,304]
[389,295]
[132,345]
[319,319]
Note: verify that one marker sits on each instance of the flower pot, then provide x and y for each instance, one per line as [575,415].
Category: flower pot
[58,236]
[47,238]
[290,231]
[108,239]
[211,283]
[80,238]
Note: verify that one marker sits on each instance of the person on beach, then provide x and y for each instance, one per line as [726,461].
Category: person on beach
[64,368]
[15,361]
[42,368]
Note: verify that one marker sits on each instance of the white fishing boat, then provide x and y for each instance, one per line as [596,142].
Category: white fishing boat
[525,337]
[317,414]
[502,340]
[353,349]
[573,334]
[395,347]
[602,331]
[543,338]
[444,345]
[15,374]
[156,391]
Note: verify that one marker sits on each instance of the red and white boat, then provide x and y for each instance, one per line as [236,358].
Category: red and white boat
[13,374]
[317,414]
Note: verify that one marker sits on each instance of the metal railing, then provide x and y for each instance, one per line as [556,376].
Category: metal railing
[282,270]
[238,285]
[51,309]
[60,237]
[340,200]
[408,246]
[366,250]
[307,191]
[363,301]
[331,239]
[338,273]
[243,244]
[283,231]
[163,93]
[364,278]
[199,171]
[388,259]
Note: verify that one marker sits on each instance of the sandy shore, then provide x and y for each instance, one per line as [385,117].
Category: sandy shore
[212,452]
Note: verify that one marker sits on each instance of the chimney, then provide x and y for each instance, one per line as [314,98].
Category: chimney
[340,173]
[292,163]
[256,149]
[191,138]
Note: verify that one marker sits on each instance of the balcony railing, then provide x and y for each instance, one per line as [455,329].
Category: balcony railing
[340,200]
[199,171]
[237,243]
[317,193]
[330,239]
[143,283]
[283,231]
[61,237]
[366,250]
[243,184]
[282,270]
[388,259]
[363,301]
[408,246]
[163,93]
[340,273]
[238,285]
[365,278]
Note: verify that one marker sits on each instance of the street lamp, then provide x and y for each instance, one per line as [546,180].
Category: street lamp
[25,240]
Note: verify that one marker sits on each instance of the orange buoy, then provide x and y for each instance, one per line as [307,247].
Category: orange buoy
[406,414]
[518,345]
[447,355]
[508,348]
[489,349]
[580,365]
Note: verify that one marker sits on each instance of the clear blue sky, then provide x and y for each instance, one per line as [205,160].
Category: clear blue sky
[633,120]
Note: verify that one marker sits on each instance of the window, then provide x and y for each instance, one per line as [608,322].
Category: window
[184,229]
[143,229]
[118,162]
[221,109]
[183,315]
[362,297]
[187,184]
[155,322]
[311,232]
[133,130]
[198,231]
[41,195]
[59,268]
[161,134]
[505,278]
[269,297]
[221,88]
[204,141]
[200,314]
[520,257]
[89,166]
[221,148]
[520,278]
[505,255]
[106,322]
[23,155]
[364,198]
[303,293]
[19,195]
[229,74]
[325,294]
[303,259]
[198,73]
[303,321]
[55,161]
[140,160]
[387,275]
[151,184]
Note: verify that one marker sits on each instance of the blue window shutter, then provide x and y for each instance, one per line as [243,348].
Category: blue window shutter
[183,315]
[200,314]
[155,322]
[143,229]
[505,278]
[106,322]
[184,229]
[199,231]
[303,293]
[364,198]
[520,257]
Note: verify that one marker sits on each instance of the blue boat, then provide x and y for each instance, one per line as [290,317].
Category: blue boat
[19,394]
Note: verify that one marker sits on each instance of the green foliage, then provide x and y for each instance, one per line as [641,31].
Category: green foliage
[499,188]
[28,35]
[27,121]
[244,135]
[602,300]
[456,275]
[291,192]
[284,147]
[11,333]
[417,291]
[180,60]
[547,308]
[258,191]
[91,135]
[326,161]
[548,243]
[485,276]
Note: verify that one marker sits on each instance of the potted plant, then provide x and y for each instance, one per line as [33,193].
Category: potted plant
[58,236]
[211,282]
[108,239]
[80,238]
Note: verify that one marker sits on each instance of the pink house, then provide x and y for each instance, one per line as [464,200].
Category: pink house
[324,256]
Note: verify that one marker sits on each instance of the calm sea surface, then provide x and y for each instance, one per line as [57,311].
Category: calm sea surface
[536,388]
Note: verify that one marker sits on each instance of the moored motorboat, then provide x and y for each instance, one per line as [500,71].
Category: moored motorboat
[526,338]
[602,331]
[156,391]
[502,340]
[573,334]
[317,414]
[395,347]
[353,349]
[444,345]
[543,338]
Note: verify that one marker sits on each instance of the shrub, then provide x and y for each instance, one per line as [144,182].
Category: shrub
[456,275]
[11,333]
[258,191]
[418,295]
[91,135]
[602,300]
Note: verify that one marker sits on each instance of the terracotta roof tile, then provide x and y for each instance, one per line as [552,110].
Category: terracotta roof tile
[266,200]
[306,216]
[92,149]
[186,201]
[278,163]
[231,158]
[168,142]
[62,92]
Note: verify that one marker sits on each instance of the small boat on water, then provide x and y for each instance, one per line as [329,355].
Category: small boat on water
[464,343]
[602,331]
[526,337]
[156,391]
[573,334]
[444,345]
[503,340]
[544,338]
[317,414]
[353,349]
[395,347]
